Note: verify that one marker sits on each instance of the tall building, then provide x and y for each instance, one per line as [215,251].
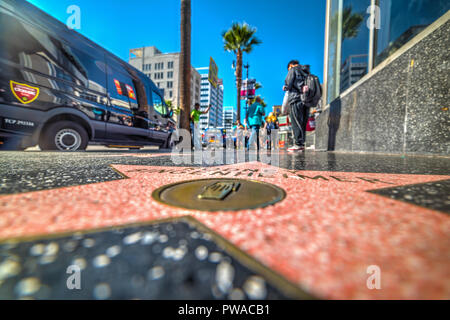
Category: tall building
[353,69]
[162,69]
[229,117]
[210,95]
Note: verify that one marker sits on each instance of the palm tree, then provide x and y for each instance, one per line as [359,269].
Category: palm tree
[185,64]
[258,86]
[351,23]
[238,39]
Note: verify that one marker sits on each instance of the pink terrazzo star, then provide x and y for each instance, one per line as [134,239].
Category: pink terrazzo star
[323,236]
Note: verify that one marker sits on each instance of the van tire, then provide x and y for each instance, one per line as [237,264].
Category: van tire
[64,136]
[168,144]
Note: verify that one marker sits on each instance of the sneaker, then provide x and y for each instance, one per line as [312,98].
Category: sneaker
[295,148]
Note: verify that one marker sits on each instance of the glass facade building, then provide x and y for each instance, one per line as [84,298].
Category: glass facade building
[210,96]
[361,34]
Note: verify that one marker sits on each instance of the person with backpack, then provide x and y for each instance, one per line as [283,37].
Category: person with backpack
[304,91]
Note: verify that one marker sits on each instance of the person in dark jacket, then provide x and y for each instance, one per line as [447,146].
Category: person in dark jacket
[295,84]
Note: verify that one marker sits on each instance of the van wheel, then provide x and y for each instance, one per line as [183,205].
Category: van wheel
[168,144]
[64,136]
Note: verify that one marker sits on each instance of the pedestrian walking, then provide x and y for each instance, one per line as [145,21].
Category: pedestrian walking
[271,124]
[195,131]
[295,85]
[254,119]
[236,132]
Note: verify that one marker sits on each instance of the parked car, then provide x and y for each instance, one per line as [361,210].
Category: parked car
[62,91]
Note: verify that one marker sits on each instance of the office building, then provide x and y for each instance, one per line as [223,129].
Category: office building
[353,69]
[229,117]
[163,69]
[210,95]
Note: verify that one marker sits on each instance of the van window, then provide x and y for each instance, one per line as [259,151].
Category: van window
[121,89]
[40,51]
[158,104]
[83,66]
[89,66]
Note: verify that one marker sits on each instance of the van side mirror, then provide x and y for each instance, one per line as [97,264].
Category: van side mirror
[170,114]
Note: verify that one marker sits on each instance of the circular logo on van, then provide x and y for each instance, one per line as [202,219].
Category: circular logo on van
[219,194]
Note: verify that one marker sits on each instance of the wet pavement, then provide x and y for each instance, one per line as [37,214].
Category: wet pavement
[342,214]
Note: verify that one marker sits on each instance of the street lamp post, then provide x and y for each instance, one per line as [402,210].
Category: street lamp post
[247,66]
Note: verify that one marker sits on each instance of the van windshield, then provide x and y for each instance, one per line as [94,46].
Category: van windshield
[154,98]
[158,104]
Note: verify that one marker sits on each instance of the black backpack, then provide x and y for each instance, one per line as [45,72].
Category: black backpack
[311,97]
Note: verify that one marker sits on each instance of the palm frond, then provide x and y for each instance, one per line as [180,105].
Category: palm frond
[351,23]
[240,37]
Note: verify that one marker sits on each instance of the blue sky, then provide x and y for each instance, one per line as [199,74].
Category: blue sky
[289,29]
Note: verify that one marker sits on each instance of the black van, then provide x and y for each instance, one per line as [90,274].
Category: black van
[62,91]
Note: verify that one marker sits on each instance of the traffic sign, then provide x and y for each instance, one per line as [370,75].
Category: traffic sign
[213,73]
[248,89]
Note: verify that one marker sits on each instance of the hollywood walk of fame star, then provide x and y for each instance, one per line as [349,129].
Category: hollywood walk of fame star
[323,236]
